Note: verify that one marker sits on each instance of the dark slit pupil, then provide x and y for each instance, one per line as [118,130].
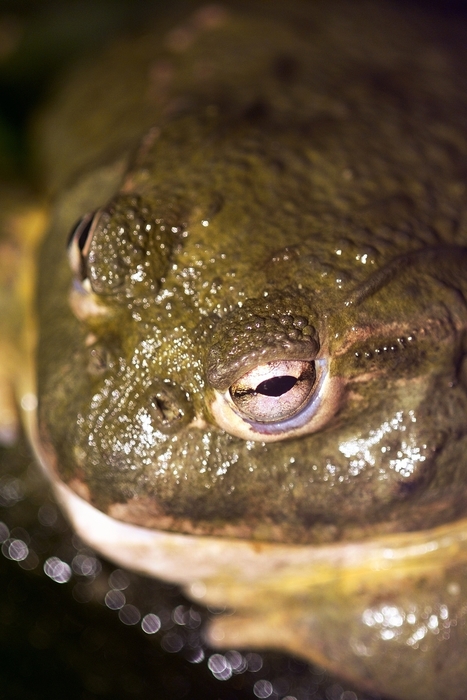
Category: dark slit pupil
[276,386]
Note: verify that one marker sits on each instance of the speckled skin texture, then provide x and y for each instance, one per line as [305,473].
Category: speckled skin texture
[278,190]
[275,184]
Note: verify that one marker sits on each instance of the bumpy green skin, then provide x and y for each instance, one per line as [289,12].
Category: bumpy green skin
[311,176]
[298,165]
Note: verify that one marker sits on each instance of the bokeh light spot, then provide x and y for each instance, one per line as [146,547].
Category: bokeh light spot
[115,600]
[58,570]
[263,689]
[150,623]
[129,615]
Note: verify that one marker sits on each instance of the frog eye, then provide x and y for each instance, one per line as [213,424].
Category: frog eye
[83,302]
[278,400]
[274,391]
[79,242]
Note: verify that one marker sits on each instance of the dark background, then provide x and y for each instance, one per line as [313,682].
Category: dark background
[40,38]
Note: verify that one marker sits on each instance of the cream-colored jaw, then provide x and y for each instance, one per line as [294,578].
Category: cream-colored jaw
[227,567]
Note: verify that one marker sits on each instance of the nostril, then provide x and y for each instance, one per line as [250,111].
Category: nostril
[163,410]
[169,407]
